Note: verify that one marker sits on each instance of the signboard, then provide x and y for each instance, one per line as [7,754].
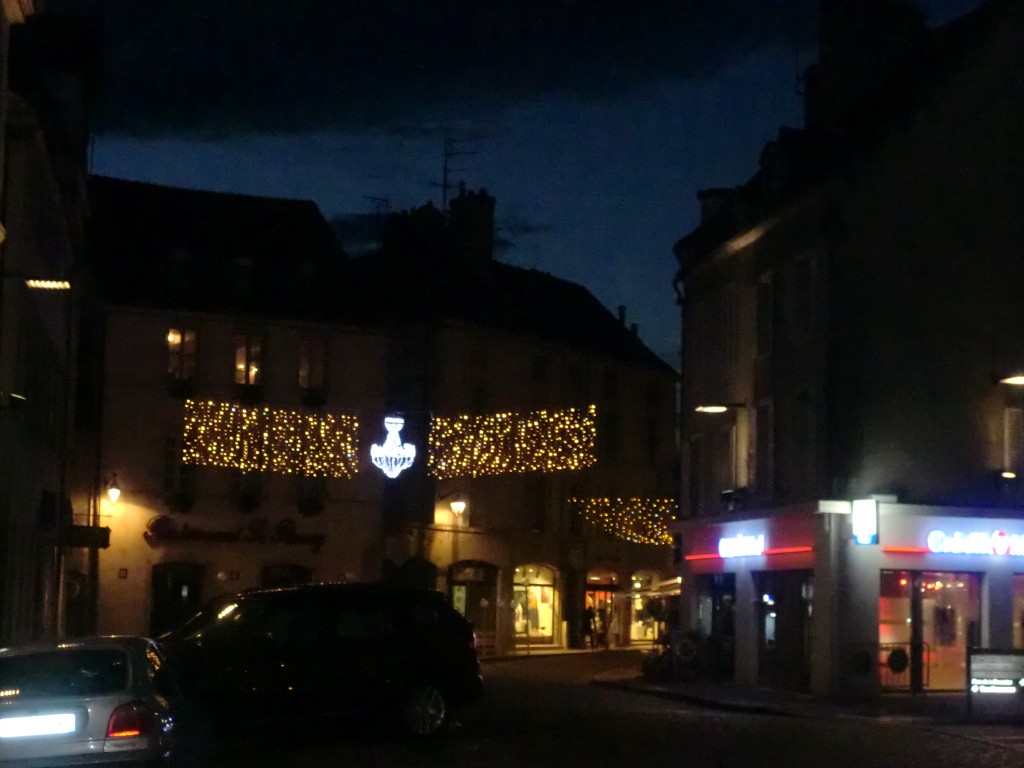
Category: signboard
[995,684]
[865,521]
[741,546]
[996,542]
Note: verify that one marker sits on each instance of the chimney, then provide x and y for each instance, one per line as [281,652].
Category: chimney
[471,225]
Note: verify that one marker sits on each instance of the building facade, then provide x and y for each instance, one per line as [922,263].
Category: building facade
[275,412]
[850,324]
[46,67]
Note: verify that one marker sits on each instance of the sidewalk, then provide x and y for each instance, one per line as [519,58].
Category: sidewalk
[730,697]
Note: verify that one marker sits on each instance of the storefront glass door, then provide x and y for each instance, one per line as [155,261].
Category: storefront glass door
[926,622]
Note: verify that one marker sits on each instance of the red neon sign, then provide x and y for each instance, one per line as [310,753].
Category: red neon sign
[775,551]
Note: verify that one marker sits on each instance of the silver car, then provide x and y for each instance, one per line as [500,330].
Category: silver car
[88,701]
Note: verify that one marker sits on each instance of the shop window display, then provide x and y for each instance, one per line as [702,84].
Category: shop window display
[534,604]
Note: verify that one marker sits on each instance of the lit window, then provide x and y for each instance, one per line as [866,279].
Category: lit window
[1013,439]
[248,359]
[181,353]
[312,363]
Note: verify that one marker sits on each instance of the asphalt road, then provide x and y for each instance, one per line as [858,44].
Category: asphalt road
[544,712]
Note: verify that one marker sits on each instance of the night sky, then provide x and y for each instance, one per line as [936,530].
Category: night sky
[593,122]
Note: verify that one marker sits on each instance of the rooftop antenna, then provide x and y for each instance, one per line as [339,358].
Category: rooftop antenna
[449,153]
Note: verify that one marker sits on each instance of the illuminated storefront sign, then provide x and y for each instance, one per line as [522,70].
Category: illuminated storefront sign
[741,546]
[994,685]
[394,456]
[976,543]
[865,521]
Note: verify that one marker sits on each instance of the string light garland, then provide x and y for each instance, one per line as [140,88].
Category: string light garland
[641,521]
[264,439]
[505,443]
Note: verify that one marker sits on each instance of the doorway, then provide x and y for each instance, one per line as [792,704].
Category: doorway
[784,605]
[176,594]
[926,622]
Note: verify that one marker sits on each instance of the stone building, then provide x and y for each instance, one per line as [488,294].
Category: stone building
[250,382]
[851,329]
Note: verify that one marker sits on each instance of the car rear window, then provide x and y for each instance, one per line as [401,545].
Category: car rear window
[66,672]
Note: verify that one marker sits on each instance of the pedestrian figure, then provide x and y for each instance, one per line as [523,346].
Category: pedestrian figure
[589,629]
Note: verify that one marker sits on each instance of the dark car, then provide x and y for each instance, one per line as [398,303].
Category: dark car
[322,649]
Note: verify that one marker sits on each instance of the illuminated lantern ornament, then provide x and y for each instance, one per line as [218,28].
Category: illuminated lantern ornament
[394,456]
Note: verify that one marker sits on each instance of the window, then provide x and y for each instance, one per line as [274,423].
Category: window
[179,477]
[248,359]
[696,476]
[727,334]
[312,363]
[1013,439]
[764,447]
[611,384]
[312,495]
[803,297]
[538,500]
[540,367]
[577,384]
[480,398]
[765,314]
[181,353]
[608,433]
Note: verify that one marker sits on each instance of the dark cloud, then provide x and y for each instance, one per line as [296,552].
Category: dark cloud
[234,66]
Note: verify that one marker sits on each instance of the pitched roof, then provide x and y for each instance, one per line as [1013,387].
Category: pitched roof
[172,248]
[179,249]
[497,296]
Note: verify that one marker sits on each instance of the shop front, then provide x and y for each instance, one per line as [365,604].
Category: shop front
[947,583]
[749,591]
[817,601]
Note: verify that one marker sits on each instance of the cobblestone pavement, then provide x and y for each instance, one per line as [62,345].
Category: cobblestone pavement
[546,712]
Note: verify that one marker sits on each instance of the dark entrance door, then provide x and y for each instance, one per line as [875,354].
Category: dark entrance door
[472,589]
[717,617]
[176,595]
[784,608]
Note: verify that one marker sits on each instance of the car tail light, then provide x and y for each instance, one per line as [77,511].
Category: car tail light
[129,721]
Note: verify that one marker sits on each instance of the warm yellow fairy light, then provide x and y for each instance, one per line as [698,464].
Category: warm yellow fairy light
[642,521]
[266,439]
[504,443]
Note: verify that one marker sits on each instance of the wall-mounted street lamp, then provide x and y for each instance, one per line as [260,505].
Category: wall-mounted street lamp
[113,489]
[719,407]
[1016,380]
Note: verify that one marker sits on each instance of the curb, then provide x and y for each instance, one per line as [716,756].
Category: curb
[701,701]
